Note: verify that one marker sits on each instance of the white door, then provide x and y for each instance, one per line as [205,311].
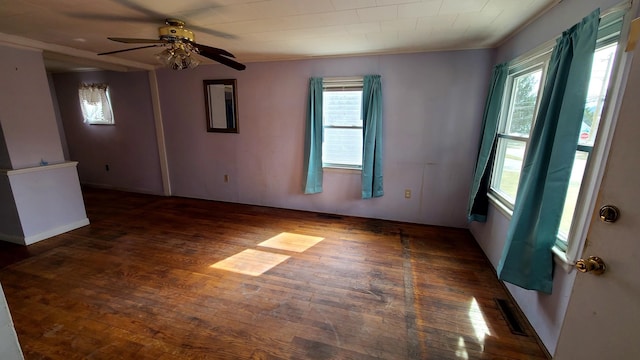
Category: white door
[603,317]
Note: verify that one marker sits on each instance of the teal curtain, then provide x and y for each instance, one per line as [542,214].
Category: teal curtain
[478,200]
[372,137]
[527,259]
[313,139]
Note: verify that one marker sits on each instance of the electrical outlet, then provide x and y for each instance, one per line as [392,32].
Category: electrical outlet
[407,194]
[226,178]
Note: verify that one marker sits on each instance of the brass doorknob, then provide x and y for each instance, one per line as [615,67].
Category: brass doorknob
[593,264]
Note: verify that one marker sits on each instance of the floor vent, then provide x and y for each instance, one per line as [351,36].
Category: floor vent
[510,317]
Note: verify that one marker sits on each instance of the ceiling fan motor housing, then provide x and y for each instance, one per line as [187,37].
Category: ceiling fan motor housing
[176,33]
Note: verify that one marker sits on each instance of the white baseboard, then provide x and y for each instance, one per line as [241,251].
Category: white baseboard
[28,240]
[57,231]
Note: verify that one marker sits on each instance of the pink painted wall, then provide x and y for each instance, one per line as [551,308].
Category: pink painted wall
[129,147]
[433,105]
[26,111]
[29,136]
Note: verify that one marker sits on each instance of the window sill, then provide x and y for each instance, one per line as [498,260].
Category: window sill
[342,170]
[502,208]
[560,258]
[559,255]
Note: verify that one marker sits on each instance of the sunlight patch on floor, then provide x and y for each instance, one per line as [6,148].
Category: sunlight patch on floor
[461,351]
[478,322]
[250,262]
[291,242]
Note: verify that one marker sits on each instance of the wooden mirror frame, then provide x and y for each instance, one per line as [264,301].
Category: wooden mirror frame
[221,105]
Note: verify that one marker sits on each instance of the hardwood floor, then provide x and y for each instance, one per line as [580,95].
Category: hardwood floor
[175,278]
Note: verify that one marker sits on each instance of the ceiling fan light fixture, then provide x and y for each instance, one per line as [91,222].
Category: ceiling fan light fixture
[178,56]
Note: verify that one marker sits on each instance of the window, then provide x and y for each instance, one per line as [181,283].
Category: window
[598,84]
[519,110]
[95,104]
[342,123]
[523,90]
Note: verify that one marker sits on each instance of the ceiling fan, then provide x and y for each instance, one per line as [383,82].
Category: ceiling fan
[180,45]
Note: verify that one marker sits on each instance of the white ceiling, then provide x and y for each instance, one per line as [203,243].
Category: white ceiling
[261,30]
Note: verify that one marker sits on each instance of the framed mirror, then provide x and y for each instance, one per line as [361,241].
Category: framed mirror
[221,104]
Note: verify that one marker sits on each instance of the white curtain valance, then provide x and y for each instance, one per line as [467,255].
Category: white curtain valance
[95,103]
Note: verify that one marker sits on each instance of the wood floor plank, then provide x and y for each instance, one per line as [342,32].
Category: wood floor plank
[138,283]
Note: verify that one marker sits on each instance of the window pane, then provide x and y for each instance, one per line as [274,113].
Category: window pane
[508,166]
[600,74]
[342,122]
[579,166]
[524,95]
[342,147]
[342,108]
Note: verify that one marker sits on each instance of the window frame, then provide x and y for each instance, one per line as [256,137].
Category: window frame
[539,61]
[563,240]
[335,84]
[567,250]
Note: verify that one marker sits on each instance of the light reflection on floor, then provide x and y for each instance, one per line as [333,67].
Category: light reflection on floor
[461,351]
[478,322]
[250,262]
[291,242]
[257,262]
[480,329]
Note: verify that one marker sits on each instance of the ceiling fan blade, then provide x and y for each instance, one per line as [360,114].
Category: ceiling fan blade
[108,17]
[150,16]
[202,29]
[138,41]
[156,15]
[150,20]
[139,8]
[135,48]
[211,50]
[223,60]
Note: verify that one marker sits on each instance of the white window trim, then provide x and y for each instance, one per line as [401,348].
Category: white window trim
[344,83]
[592,179]
[540,59]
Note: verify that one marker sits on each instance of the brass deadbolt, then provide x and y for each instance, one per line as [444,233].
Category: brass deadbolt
[609,213]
